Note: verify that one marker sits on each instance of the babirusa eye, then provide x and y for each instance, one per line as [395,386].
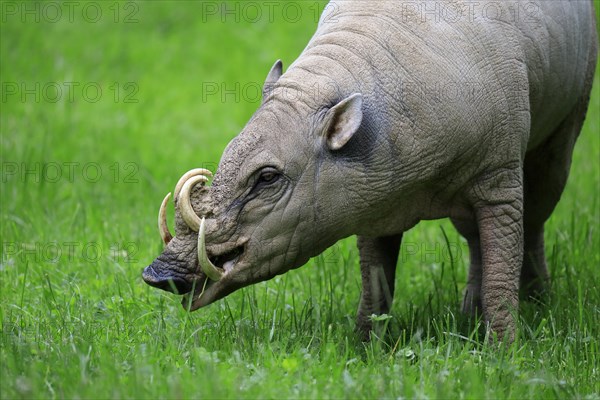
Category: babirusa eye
[268,175]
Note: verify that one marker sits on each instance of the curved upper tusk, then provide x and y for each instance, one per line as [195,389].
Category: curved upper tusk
[187,176]
[163,228]
[185,205]
[206,266]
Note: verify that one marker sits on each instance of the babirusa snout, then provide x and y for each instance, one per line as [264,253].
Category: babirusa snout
[206,265]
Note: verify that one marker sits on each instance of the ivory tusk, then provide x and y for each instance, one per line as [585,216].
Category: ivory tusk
[187,176]
[185,205]
[206,266]
[163,228]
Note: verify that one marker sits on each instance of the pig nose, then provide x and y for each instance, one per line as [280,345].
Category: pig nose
[171,284]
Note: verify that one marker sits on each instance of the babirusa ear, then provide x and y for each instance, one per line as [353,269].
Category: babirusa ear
[272,78]
[343,120]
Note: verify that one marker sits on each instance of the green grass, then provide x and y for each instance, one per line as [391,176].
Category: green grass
[77,320]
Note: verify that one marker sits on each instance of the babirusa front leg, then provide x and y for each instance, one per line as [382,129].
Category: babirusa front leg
[378,258]
[499,212]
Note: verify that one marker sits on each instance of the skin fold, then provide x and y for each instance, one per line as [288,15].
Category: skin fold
[391,116]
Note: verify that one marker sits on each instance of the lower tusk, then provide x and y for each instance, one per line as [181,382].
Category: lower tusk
[163,228]
[207,267]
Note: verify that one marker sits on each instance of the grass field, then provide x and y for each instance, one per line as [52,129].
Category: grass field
[104,106]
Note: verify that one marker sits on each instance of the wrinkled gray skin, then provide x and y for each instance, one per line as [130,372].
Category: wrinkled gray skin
[376,147]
